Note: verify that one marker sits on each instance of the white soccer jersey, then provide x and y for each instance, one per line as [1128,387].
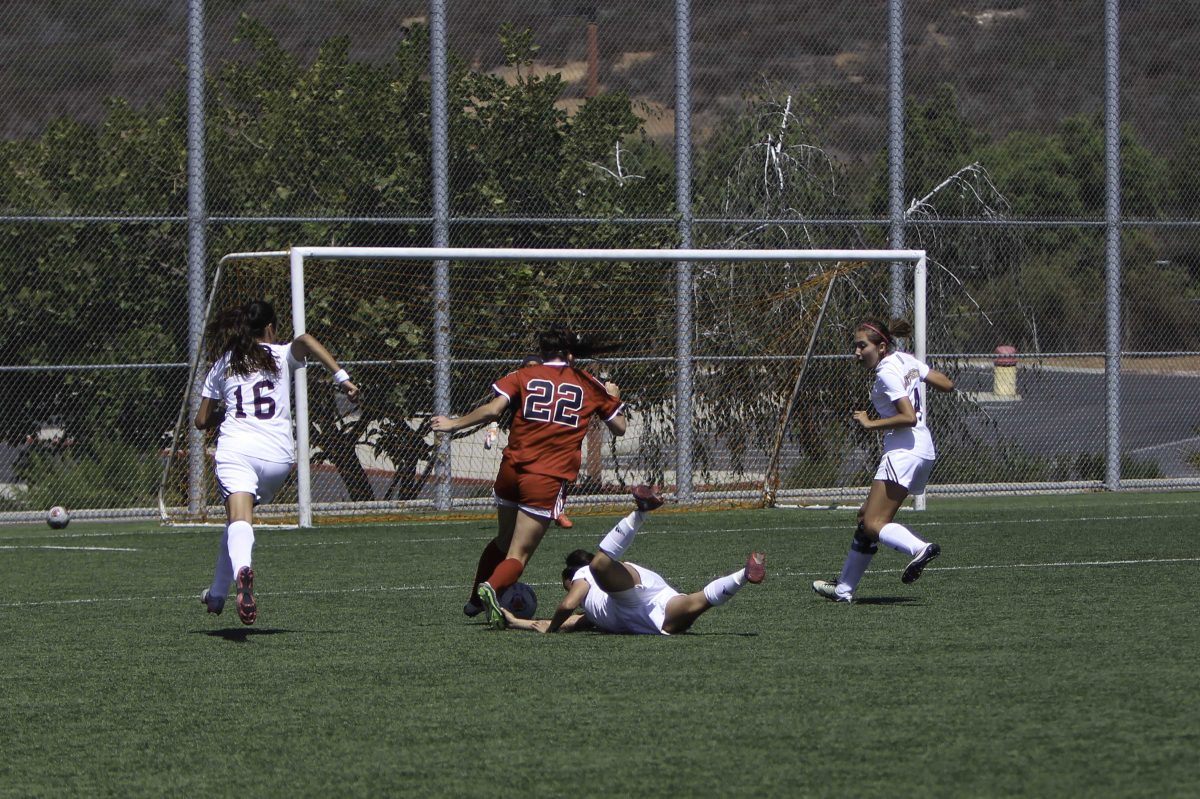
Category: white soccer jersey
[899,375]
[258,408]
[641,610]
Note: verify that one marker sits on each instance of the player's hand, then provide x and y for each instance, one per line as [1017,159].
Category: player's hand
[442,424]
[350,389]
[862,418]
[613,389]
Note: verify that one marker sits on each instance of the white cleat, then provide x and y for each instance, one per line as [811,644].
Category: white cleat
[829,590]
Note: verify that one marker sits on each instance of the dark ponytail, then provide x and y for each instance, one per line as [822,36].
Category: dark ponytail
[237,331]
[560,340]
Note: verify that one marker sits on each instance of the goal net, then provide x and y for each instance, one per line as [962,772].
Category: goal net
[734,365]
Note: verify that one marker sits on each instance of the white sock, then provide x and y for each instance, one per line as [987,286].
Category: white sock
[722,589]
[852,570]
[223,573]
[901,539]
[241,545]
[620,537]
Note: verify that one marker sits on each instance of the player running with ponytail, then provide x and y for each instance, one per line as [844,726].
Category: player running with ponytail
[552,402]
[908,455]
[252,376]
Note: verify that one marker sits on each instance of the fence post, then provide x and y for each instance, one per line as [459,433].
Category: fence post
[439,87]
[683,269]
[1112,250]
[196,230]
[896,148]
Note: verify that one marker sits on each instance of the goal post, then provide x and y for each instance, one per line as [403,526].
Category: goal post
[755,306]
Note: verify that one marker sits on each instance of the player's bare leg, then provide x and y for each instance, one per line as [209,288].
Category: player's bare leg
[528,531]
[878,522]
[492,556]
[683,610]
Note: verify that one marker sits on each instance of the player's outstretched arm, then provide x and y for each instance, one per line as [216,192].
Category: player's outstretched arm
[939,380]
[306,344]
[487,412]
[566,609]
[575,622]
[517,623]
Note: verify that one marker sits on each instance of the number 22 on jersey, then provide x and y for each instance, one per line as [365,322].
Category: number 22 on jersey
[543,403]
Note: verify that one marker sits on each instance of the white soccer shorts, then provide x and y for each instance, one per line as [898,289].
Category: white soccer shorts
[643,608]
[904,468]
[245,474]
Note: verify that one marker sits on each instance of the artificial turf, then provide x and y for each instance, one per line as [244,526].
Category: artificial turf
[1050,651]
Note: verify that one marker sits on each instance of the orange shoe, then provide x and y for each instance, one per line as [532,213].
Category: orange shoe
[756,567]
[646,498]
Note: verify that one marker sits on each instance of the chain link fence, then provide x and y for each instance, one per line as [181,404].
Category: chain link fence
[1034,150]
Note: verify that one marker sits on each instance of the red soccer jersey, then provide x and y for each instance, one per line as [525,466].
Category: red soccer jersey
[552,405]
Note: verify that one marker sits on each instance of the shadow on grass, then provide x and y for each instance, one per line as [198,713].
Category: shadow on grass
[241,634]
[885,600]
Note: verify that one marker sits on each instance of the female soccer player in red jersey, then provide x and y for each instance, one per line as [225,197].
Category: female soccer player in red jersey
[552,404]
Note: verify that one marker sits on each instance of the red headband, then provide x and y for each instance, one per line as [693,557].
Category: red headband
[870,326]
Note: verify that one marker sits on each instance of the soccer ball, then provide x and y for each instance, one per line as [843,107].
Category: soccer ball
[58,517]
[520,600]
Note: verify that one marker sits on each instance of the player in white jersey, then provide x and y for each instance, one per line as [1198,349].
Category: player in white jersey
[623,597]
[908,455]
[247,394]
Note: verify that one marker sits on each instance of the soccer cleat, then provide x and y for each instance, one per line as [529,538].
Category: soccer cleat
[563,522]
[647,498]
[828,589]
[917,565]
[756,567]
[212,604]
[491,603]
[246,606]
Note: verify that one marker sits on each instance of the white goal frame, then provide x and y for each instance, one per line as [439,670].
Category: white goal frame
[297,257]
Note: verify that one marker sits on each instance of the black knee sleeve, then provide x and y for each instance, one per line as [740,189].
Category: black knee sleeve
[860,542]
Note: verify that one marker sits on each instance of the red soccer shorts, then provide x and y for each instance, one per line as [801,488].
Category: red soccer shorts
[536,494]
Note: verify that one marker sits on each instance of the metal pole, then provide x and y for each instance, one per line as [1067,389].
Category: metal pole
[300,398]
[896,147]
[920,343]
[1112,235]
[197,246]
[440,166]
[683,269]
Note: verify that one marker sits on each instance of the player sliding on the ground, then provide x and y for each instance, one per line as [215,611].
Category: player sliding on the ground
[552,403]
[622,597]
[255,451]
[908,455]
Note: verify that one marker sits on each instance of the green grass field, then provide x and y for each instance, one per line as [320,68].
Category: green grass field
[1051,651]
